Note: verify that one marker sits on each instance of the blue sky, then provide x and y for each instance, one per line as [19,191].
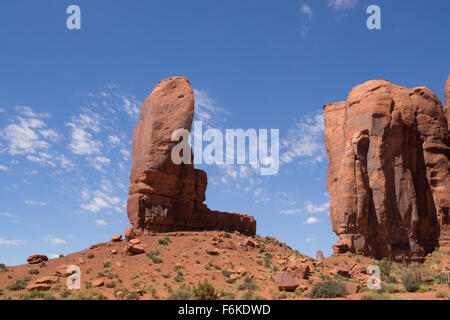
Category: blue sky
[69,102]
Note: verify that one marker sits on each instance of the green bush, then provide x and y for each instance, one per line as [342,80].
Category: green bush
[182,293]
[226,273]
[90,256]
[107,264]
[411,279]
[19,284]
[248,284]
[205,291]
[179,278]
[391,279]
[385,267]
[157,260]
[33,271]
[328,289]
[164,241]
[2,266]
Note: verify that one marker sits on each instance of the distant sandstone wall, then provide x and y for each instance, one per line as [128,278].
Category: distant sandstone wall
[389,174]
[163,196]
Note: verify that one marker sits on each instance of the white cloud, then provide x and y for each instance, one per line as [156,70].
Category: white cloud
[257,192]
[342,4]
[305,140]
[6,214]
[23,136]
[100,222]
[42,158]
[54,240]
[99,162]
[3,168]
[307,11]
[312,220]
[100,201]
[207,110]
[308,240]
[10,243]
[35,203]
[82,142]
[311,208]
[292,211]
[54,256]
[130,106]
[125,153]
[114,140]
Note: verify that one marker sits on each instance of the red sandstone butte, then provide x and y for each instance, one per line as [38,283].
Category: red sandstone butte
[389,175]
[165,197]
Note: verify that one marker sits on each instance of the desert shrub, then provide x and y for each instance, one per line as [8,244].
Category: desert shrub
[441,294]
[182,293]
[178,278]
[226,273]
[157,260]
[208,266]
[391,279]
[385,267]
[267,262]
[411,279]
[2,266]
[19,284]
[106,264]
[1,292]
[388,288]
[110,285]
[247,295]
[226,234]
[248,284]
[33,271]
[132,296]
[230,281]
[42,264]
[65,294]
[205,291]
[164,241]
[328,289]
[376,296]
[90,256]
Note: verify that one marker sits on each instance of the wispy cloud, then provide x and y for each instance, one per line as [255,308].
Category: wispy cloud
[35,203]
[100,200]
[342,4]
[309,207]
[10,243]
[312,220]
[28,134]
[305,140]
[208,111]
[307,12]
[100,222]
[3,168]
[54,240]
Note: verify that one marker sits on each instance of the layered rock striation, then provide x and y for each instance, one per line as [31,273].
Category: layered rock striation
[163,196]
[389,174]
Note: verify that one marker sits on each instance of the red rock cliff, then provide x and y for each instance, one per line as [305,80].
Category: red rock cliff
[163,196]
[389,174]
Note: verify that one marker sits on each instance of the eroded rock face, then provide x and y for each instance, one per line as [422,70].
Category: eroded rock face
[163,196]
[388,176]
[447,101]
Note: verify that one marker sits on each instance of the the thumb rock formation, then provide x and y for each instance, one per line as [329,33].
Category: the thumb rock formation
[164,196]
[389,172]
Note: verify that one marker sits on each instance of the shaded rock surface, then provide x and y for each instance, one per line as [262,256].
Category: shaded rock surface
[37,258]
[447,101]
[163,196]
[388,176]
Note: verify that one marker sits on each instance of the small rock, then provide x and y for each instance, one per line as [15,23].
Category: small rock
[319,256]
[113,251]
[135,249]
[212,251]
[135,241]
[97,283]
[61,271]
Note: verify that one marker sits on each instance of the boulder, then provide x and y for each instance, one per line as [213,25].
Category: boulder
[47,280]
[388,176]
[116,238]
[134,249]
[129,234]
[97,283]
[164,196]
[36,258]
[38,287]
[61,271]
[286,282]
